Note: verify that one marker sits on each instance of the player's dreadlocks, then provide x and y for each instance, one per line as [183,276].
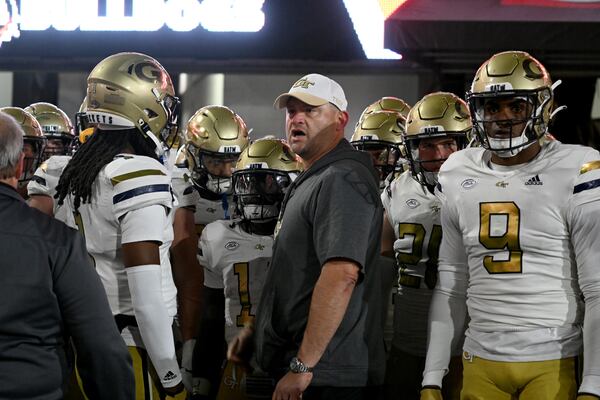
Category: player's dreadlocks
[92,156]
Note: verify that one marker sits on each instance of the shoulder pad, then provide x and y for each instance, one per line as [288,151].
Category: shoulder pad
[138,182]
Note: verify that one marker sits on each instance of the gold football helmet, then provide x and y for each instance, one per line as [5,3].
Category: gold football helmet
[132,90]
[380,134]
[387,104]
[436,116]
[57,128]
[33,140]
[519,80]
[263,173]
[214,138]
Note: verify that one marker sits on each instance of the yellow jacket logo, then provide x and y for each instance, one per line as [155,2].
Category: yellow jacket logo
[303,83]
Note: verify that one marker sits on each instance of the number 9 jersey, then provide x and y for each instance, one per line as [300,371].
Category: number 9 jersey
[506,231]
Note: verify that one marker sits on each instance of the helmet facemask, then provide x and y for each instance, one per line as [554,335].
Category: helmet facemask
[33,150]
[259,193]
[426,171]
[527,122]
[385,156]
[59,145]
[212,171]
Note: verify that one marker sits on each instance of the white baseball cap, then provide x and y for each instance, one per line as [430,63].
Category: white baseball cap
[315,90]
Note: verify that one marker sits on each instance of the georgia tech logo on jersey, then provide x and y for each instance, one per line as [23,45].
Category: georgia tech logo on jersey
[468,183]
[502,184]
[259,246]
[211,210]
[232,245]
[435,208]
[412,203]
[9,20]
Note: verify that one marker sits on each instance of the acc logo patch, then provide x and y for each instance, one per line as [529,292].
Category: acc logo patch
[468,183]
[412,203]
[232,245]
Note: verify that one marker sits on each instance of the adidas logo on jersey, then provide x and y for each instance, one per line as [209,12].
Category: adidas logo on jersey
[535,180]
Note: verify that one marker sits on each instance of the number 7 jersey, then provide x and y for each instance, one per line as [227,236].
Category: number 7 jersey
[506,229]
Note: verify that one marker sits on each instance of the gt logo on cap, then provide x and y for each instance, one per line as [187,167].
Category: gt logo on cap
[303,83]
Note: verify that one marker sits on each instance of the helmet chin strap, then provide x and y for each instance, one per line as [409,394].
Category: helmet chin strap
[158,146]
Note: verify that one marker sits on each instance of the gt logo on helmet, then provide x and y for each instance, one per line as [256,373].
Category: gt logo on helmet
[146,71]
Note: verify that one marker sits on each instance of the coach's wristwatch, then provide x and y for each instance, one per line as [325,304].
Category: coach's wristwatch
[298,367]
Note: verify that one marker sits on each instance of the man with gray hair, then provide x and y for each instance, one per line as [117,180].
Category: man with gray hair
[50,291]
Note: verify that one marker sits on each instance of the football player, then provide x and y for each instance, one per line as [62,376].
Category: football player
[437,126]
[380,134]
[56,126]
[61,142]
[388,103]
[214,138]
[121,196]
[511,253]
[236,255]
[34,143]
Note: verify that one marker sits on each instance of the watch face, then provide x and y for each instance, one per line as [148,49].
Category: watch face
[295,365]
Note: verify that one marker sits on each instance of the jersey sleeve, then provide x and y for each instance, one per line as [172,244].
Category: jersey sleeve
[213,277]
[584,225]
[386,200]
[46,177]
[184,191]
[448,308]
[138,182]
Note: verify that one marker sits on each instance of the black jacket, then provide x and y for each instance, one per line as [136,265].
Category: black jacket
[49,290]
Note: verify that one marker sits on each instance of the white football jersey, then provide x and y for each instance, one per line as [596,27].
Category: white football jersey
[205,211]
[208,211]
[506,231]
[44,183]
[237,262]
[414,214]
[127,183]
